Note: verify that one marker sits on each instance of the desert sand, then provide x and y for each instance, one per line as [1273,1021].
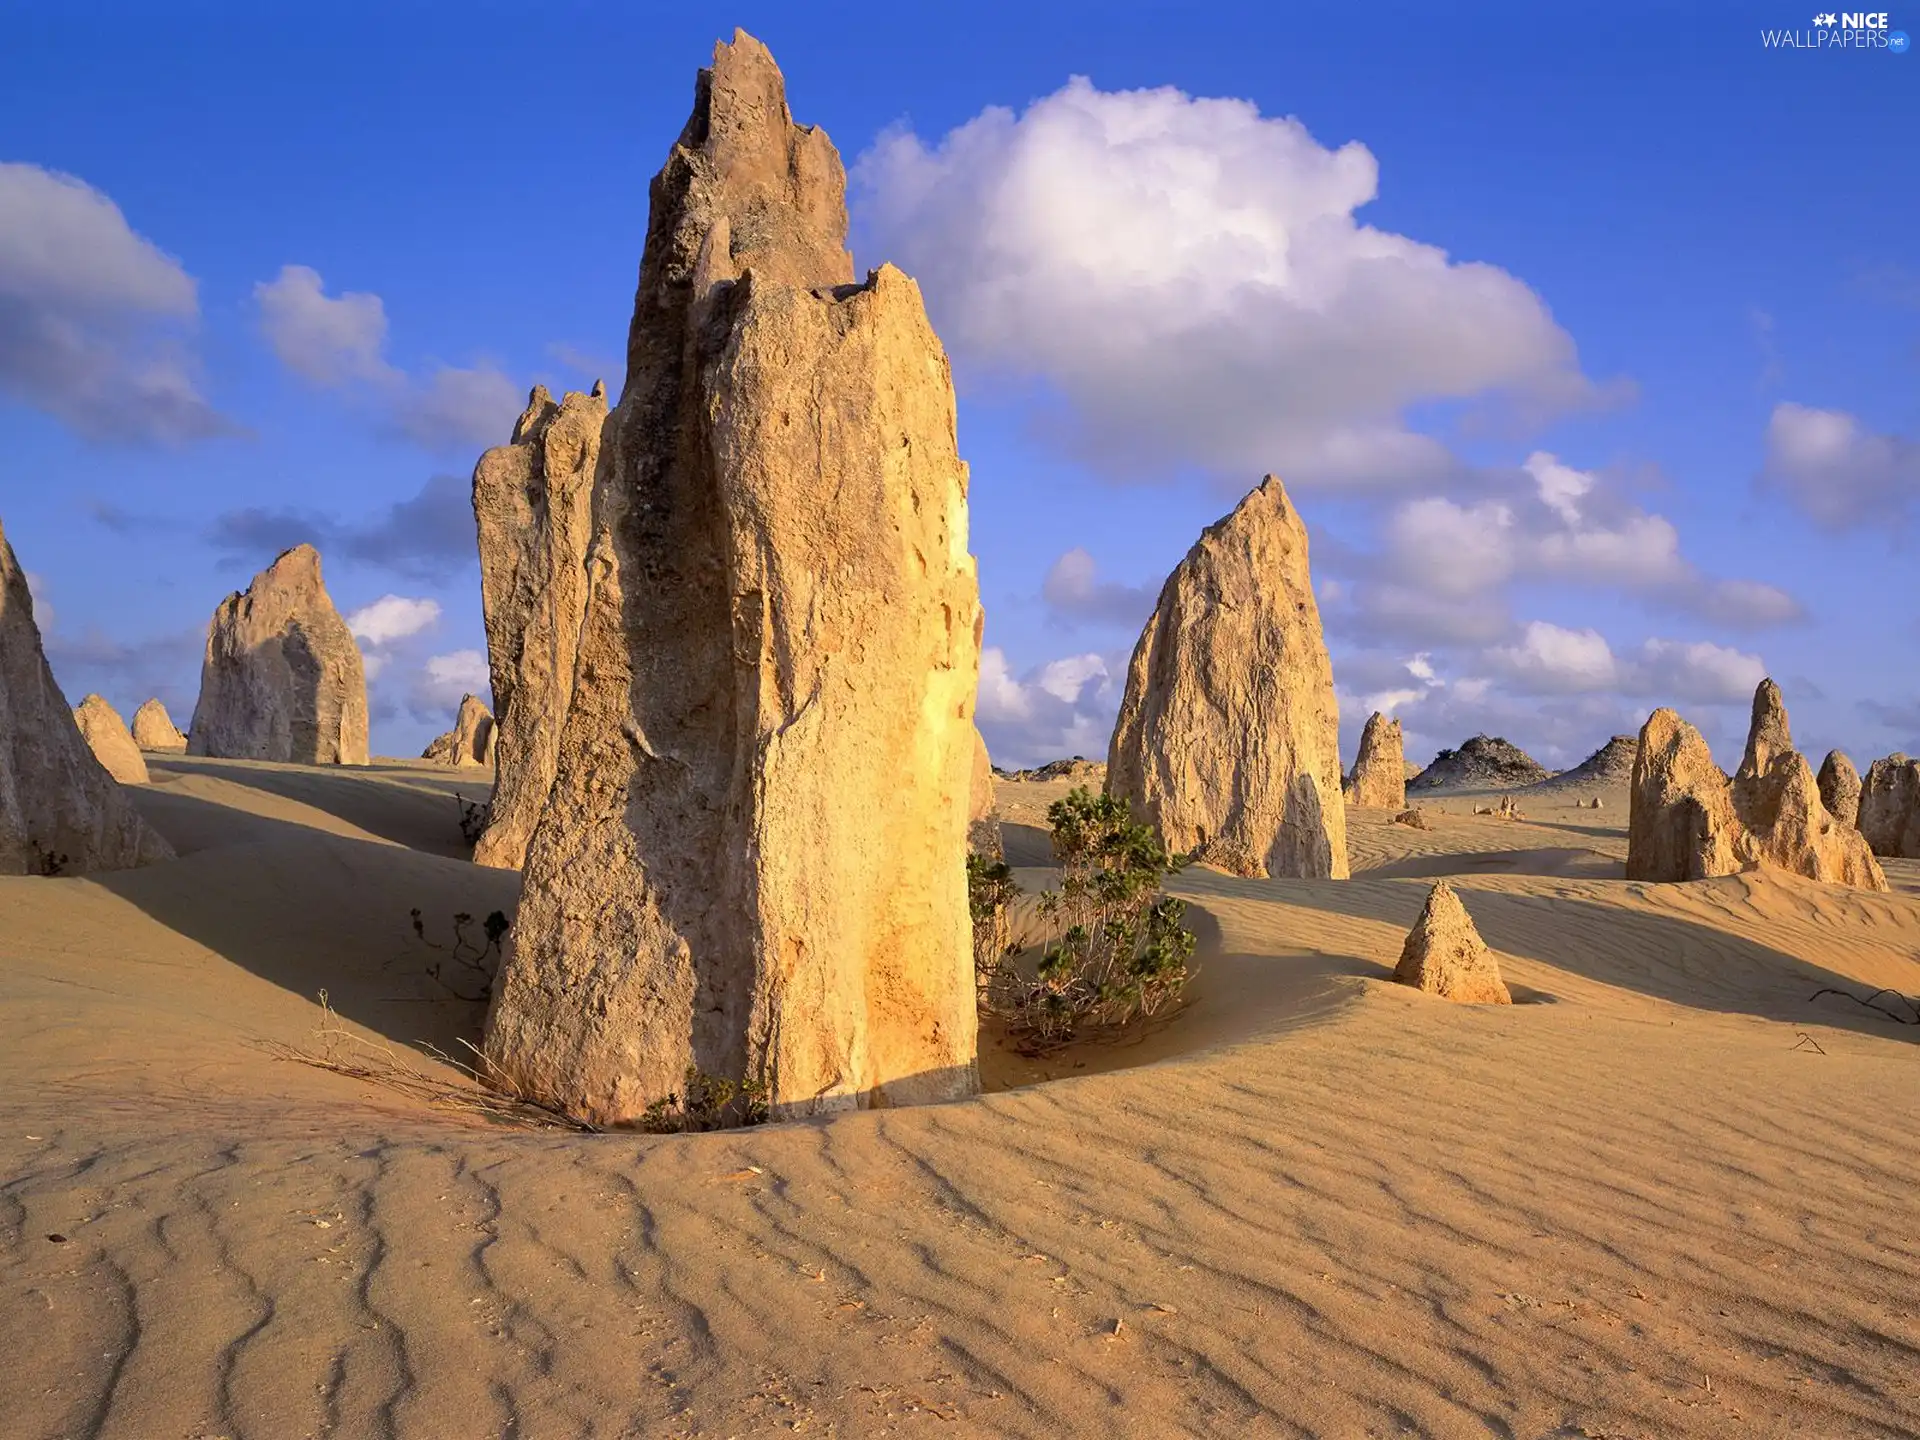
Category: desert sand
[1664,1193]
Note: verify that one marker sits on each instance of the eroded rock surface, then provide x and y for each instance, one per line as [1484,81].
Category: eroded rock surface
[983,831]
[112,744]
[282,678]
[1778,800]
[61,813]
[1380,768]
[153,729]
[1840,787]
[1228,738]
[532,504]
[1485,762]
[1445,956]
[1688,821]
[1890,807]
[751,861]
[1680,819]
[470,742]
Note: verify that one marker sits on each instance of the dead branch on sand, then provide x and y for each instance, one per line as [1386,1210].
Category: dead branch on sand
[339,1050]
[1912,1017]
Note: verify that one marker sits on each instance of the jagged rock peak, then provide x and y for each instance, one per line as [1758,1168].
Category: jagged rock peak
[282,678]
[1227,741]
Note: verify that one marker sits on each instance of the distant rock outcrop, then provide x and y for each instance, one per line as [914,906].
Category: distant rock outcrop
[532,504]
[282,679]
[1680,819]
[153,729]
[983,831]
[470,742]
[1445,956]
[60,812]
[1482,763]
[1840,787]
[1890,807]
[1689,822]
[112,744]
[1228,740]
[1379,776]
[1087,772]
[1611,764]
[751,861]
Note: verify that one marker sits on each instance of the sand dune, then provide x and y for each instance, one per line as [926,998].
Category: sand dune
[1666,1194]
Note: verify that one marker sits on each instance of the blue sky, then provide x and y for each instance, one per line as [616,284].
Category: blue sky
[1586,337]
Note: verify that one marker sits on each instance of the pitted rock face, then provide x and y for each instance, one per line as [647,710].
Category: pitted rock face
[1380,768]
[752,859]
[532,504]
[1778,800]
[282,679]
[1840,787]
[1445,956]
[1688,822]
[1890,807]
[153,729]
[60,811]
[983,831]
[1228,739]
[470,742]
[112,744]
[1680,819]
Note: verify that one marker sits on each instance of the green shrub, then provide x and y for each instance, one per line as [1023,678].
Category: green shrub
[1109,948]
[711,1102]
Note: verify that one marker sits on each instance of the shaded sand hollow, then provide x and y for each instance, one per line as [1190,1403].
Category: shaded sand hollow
[1666,1194]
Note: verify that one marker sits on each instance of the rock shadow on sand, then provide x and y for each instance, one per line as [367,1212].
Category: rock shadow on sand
[1666,957]
[308,910]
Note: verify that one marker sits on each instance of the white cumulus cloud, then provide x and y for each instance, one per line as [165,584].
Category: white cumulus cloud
[1838,472]
[1192,278]
[327,339]
[336,341]
[1060,708]
[94,317]
[393,617]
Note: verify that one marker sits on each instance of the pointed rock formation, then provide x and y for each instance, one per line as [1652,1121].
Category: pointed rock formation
[532,502]
[1380,769]
[1778,801]
[112,744]
[1840,787]
[1890,807]
[752,857]
[1769,735]
[470,742]
[1680,820]
[282,679]
[983,831]
[1792,829]
[1689,822]
[1228,740]
[153,729]
[60,812]
[1445,956]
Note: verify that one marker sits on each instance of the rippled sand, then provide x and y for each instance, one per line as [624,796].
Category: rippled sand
[1667,1195]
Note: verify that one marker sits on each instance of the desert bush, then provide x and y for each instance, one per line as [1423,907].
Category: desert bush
[1103,950]
[475,816]
[50,863]
[710,1102]
[991,891]
[480,958]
